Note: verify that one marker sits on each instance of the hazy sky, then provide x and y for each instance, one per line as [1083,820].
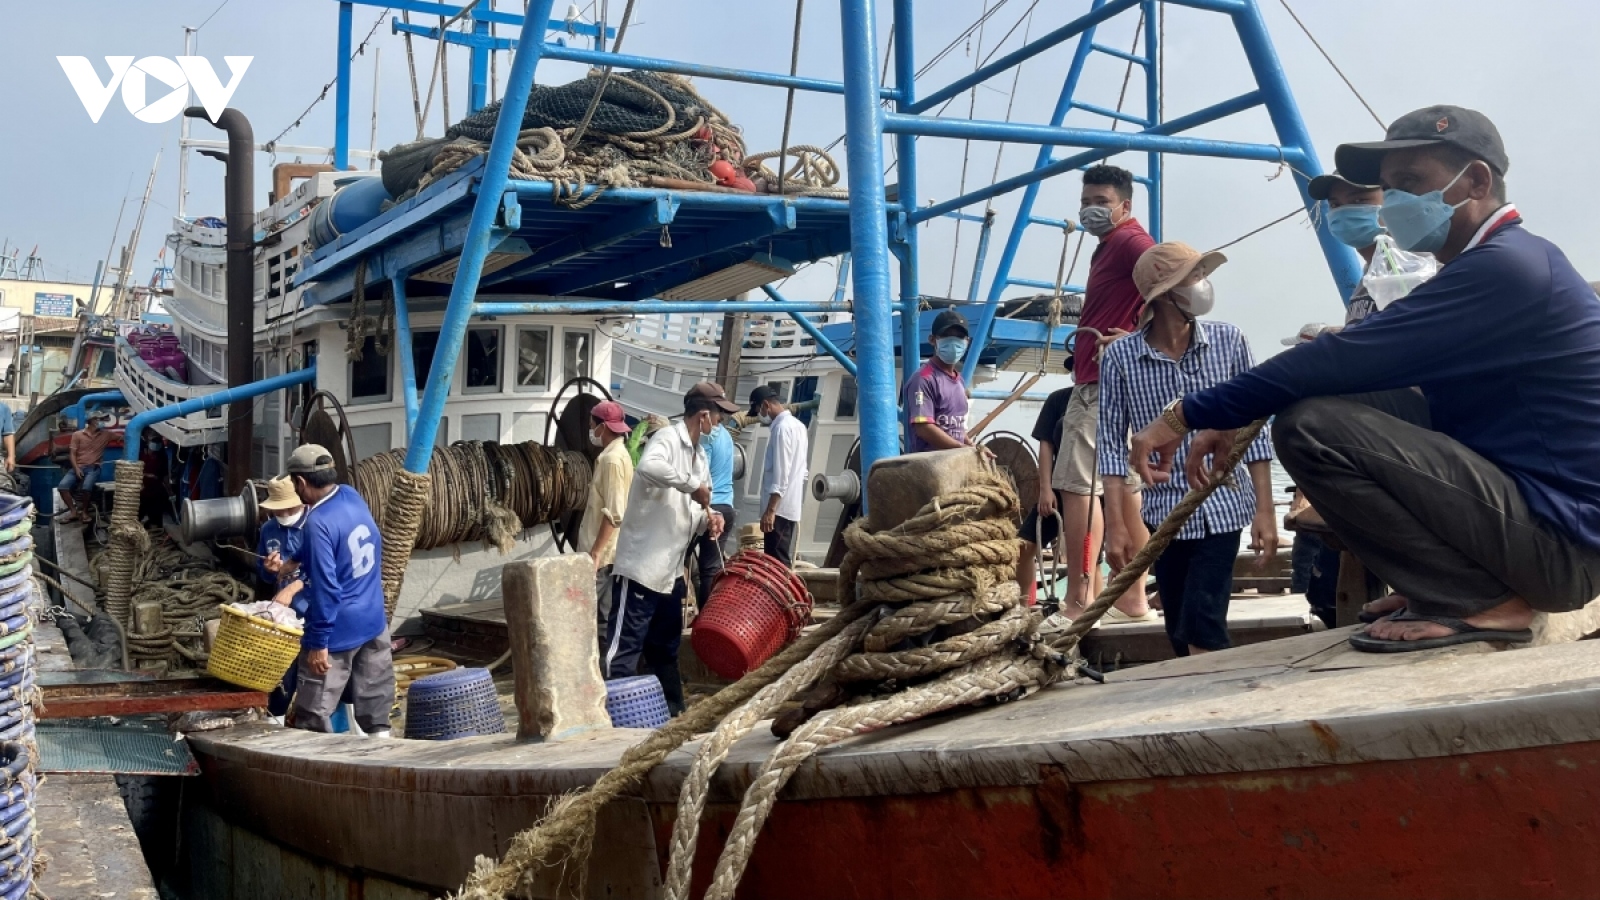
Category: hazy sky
[66,177]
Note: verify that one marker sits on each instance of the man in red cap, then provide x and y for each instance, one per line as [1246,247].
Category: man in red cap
[608,498]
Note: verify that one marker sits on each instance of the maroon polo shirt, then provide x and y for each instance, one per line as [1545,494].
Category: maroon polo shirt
[1110,300]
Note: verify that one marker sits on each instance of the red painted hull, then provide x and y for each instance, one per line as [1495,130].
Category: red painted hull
[1521,823]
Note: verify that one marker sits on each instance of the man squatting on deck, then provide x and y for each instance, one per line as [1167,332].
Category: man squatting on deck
[346,638]
[1173,349]
[669,504]
[1481,504]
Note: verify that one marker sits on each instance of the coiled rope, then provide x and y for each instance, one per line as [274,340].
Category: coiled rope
[473,490]
[190,591]
[1031,661]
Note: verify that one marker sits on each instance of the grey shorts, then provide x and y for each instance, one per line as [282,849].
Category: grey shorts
[1077,457]
[369,672]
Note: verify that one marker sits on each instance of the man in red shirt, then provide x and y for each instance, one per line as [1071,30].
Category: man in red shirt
[1111,306]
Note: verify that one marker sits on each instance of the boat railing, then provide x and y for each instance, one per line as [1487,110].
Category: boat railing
[700,335]
[146,389]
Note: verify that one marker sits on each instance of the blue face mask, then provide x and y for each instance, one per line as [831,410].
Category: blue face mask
[951,350]
[1355,226]
[1420,223]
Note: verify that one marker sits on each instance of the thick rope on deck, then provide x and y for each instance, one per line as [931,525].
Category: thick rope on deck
[189,590]
[1024,665]
[128,539]
[402,519]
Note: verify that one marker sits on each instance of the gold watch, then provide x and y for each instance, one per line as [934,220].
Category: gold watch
[1170,415]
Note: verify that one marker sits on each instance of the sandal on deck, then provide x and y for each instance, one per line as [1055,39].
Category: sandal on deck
[1464,634]
[1116,616]
[1367,618]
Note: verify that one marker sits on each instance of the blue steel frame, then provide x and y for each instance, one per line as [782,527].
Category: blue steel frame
[878,227]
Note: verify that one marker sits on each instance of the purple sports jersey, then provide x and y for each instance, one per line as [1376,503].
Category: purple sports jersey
[934,395]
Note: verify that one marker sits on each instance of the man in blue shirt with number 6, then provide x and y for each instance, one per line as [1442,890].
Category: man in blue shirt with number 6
[347,634]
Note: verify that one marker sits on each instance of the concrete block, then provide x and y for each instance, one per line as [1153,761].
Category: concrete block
[899,486]
[555,652]
[1561,628]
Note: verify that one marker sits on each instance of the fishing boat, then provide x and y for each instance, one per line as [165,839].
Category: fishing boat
[1290,768]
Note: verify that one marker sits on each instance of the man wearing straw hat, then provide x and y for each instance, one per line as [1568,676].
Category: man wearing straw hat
[346,638]
[282,536]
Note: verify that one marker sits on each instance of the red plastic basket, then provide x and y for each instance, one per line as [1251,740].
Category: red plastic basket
[757,605]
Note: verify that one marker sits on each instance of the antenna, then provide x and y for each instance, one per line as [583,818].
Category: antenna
[33,266]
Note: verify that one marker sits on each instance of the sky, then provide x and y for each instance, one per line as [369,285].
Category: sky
[67,177]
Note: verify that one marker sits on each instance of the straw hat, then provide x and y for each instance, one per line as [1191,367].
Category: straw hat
[281,495]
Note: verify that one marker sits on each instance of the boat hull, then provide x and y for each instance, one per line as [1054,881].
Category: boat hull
[1290,769]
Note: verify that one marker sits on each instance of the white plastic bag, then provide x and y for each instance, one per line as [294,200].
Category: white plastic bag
[1395,273]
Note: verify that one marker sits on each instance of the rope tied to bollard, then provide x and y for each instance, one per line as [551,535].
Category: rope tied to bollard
[955,675]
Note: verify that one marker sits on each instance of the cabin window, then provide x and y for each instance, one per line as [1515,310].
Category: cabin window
[782,389]
[665,377]
[370,440]
[576,347]
[483,361]
[638,369]
[481,427]
[423,345]
[105,365]
[369,376]
[533,359]
[845,408]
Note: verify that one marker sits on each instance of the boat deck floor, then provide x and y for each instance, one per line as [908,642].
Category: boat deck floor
[82,820]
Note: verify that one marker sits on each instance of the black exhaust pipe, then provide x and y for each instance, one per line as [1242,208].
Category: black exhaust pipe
[241,215]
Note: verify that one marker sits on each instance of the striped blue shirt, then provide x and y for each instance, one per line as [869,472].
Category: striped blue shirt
[1137,382]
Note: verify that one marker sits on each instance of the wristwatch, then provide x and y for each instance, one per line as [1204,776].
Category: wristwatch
[1172,415]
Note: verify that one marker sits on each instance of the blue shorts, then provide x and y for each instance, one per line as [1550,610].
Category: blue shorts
[1195,578]
[73,483]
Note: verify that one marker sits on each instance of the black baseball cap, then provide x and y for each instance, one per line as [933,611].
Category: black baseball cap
[1322,185]
[1465,128]
[947,320]
[759,396]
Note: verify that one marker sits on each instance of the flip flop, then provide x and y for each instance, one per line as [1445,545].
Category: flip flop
[1367,618]
[1464,634]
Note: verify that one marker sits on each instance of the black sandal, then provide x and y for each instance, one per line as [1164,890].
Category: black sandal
[1464,634]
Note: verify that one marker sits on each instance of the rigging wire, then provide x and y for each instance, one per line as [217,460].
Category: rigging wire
[788,108]
[438,59]
[966,149]
[212,16]
[411,68]
[360,49]
[1298,210]
[1338,71]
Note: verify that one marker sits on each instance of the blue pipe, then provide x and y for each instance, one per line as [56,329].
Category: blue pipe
[1193,120]
[478,69]
[987,394]
[652,308]
[1097,138]
[496,173]
[341,96]
[1152,97]
[1291,129]
[980,331]
[810,327]
[402,342]
[747,76]
[1084,25]
[222,397]
[842,278]
[905,80]
[78,410]
[1041,165]
[869,234]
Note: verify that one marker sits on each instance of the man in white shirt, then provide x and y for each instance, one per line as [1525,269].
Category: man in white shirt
[669,504]
[783,475]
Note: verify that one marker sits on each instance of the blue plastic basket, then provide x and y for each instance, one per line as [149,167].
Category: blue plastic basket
[636,702]
[454,704]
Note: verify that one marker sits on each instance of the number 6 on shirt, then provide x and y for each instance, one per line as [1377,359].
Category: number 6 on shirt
[362,552]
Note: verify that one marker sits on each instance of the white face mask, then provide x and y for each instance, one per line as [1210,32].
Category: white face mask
[289,521]
[594,438]
[1194,299]
[765,419]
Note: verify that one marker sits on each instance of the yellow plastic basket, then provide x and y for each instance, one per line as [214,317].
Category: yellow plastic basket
[252,652]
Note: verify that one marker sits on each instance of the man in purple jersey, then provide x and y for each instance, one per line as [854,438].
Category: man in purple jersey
[347,633]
